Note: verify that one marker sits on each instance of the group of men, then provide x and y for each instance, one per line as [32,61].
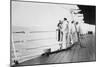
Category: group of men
[68,33]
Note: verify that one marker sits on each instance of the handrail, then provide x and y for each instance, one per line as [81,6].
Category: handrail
[41,31]
[33,39]
[33,32]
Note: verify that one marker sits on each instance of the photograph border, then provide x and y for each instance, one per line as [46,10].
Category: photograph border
[45,3]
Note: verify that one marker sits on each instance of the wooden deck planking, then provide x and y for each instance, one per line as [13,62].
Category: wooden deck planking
[68,56]
[61,57]
[56,57]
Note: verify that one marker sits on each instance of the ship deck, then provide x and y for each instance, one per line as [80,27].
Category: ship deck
[75,54]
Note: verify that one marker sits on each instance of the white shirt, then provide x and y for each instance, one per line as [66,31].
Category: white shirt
[65,26]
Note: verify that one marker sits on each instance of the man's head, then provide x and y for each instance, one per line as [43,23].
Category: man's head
[65,19]
[76,23]
[72,22]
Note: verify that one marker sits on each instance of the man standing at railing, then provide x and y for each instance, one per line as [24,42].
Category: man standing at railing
[60,33]
[65,29]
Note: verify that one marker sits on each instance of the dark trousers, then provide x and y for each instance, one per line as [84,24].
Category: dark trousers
[60,35]
[60,38]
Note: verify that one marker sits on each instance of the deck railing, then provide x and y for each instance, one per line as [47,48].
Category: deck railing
[30,52]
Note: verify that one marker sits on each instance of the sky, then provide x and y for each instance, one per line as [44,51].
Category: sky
[28,14]
[44,16]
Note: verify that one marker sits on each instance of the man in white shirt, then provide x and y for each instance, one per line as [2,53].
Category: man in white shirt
[65,29]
